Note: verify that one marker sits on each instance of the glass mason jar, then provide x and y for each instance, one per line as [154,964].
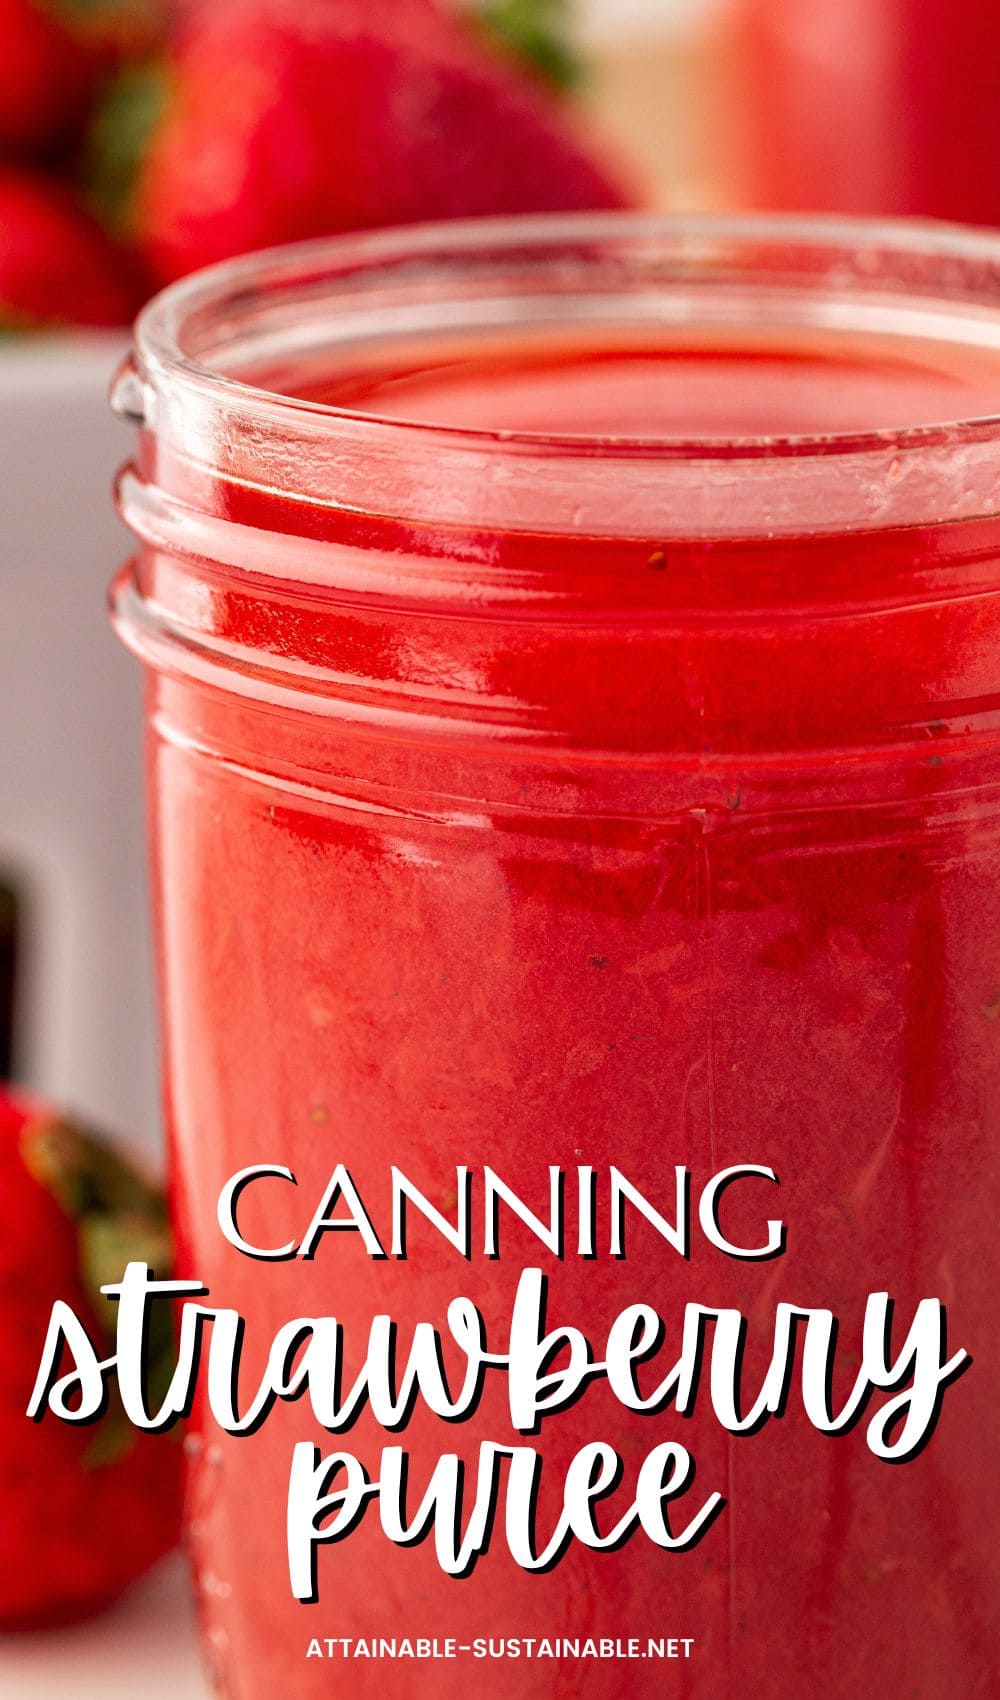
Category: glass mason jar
[572,652]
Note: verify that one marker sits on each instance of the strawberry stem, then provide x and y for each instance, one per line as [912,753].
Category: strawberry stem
[132,105]
[538,31]
[120,1218]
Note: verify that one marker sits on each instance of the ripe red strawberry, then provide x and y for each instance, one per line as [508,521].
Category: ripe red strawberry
[57,266]
[83,1511]
[46,77]
[288,120]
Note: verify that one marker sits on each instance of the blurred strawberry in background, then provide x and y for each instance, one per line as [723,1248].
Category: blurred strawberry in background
[116,32]
[84,1510]
[57,265]
[139,139]
[46,78]
[290,118]
[55,55]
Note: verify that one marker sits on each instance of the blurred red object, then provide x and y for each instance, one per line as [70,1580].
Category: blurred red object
[874,106]
[281,122]
[192,130]
[84,1511]
[118,32]
[46,78]
[57,266]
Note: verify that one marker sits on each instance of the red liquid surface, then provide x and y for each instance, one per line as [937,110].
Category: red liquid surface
[762,927]
[655,383]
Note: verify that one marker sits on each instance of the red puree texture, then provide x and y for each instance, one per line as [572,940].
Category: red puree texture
[731,894]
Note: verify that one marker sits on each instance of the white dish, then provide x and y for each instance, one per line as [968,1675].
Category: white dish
[71,811]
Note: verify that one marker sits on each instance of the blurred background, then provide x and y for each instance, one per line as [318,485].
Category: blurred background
[140,139]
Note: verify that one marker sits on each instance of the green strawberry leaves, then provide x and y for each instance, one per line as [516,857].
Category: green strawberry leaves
[120,1218]
[121,126]
[539,31]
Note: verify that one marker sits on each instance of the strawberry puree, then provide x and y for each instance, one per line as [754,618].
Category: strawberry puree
[698,864]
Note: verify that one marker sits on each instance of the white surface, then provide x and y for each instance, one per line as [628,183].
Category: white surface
[145,1649]
[71,813]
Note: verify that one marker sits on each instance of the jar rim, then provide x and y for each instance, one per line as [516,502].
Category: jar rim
[964,262]
[247,498]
